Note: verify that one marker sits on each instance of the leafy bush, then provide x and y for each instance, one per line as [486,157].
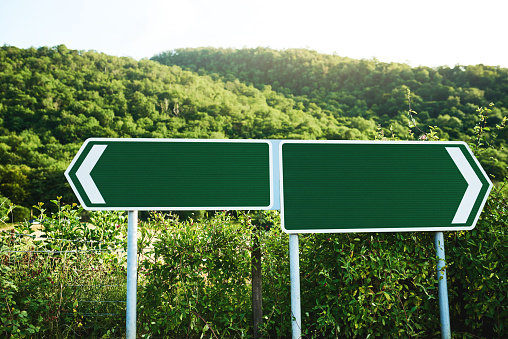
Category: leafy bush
[21,213]
[59,280]
[105,227]
[360,285]
[5,209]
[478,275]
[195,281]
[195,278]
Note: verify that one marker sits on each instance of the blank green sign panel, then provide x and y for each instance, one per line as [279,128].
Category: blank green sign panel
[380,186]
[172,174]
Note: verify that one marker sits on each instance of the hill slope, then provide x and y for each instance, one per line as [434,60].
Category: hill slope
[377,92]
[52,99]
[353,87]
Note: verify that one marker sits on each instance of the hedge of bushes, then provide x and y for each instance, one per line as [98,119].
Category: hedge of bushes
[352,285]
[194,279]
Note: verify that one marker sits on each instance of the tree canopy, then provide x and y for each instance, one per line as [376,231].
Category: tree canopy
[52,99]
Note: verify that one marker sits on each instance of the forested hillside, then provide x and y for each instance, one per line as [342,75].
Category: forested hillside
[377,92]
[349,87]
[52,99]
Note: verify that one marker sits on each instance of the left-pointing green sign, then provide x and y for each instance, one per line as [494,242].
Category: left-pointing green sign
[172,174]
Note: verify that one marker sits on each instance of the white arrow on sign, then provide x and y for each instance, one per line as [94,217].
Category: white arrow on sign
[84,177]
[473,189]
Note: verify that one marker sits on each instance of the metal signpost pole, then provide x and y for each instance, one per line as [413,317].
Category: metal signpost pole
[444,311]
[132,274]
[294,273]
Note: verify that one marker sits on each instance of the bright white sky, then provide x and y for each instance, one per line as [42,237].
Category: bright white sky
[430,33]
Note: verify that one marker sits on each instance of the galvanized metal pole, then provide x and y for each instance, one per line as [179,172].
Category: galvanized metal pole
[294,274]
[444,311]
[132,274]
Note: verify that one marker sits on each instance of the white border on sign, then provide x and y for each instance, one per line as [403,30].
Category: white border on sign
[159,208]
[370,230]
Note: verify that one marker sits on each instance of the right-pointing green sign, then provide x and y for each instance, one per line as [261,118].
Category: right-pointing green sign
[373,186]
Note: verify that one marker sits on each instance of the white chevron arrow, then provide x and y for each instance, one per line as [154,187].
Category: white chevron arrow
[84,177]
[473,189]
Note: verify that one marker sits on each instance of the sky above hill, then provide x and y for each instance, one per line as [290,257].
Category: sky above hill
[430,33]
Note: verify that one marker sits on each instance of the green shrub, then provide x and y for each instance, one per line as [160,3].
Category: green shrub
[21,213]
[478,276]
[361,285]
[5,209]
[195,279]
[53,283]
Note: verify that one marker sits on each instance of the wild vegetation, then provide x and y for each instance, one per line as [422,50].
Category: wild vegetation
[194,272]
[366,93]
[61,277]
[52,99]
[194,278]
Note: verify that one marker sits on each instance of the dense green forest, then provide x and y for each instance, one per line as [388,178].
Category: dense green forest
[366,93]
[52,99]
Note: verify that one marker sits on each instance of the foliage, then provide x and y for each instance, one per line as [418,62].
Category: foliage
[194,274]
[14,322]
[477,283]
[195,282]
[366,93]
[54,280]
[6,208]
[52,99]
[106,227]
[194,279]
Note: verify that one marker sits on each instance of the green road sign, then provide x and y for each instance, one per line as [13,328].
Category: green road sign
[355,186]
[173,174]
